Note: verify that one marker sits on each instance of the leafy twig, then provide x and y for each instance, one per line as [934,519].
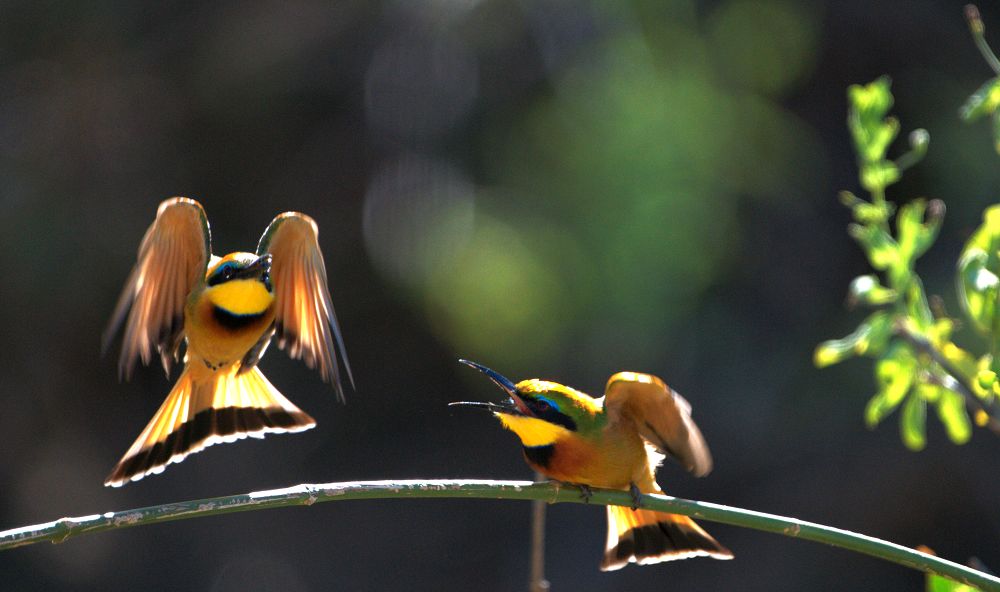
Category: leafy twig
[306,495]
[958,383]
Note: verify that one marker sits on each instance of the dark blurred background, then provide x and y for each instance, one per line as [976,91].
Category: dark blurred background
[556,189]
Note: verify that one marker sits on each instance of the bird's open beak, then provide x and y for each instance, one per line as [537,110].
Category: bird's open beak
[514,405]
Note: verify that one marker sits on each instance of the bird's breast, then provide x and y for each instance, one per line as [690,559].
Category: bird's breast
[219,336]
[601,462]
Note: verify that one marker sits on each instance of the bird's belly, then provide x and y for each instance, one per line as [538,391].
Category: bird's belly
[219,338]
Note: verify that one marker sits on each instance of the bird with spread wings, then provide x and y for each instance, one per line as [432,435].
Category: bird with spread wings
[227,310]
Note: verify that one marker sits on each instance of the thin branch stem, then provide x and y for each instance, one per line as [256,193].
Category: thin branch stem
[958,381]
[979,36]
[306,495]
[538,583]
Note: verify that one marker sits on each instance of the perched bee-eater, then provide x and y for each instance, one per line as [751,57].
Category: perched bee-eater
[227,310]
[612,442]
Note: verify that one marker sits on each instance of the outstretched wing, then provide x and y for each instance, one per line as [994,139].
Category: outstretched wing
[305,324]
[661,416]
[173,256]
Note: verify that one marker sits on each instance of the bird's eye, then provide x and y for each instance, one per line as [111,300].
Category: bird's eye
[227,272]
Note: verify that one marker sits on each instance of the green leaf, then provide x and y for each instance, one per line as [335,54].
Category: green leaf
[982,102]
[872,101]
[928,392]
[936,583]
[916,305]
[877,175]
[866,289]
[881,250]
[978,269]
[866,213]
[870,337]
[912,423]
[985,379]
[912,234]
[866,119]
[977,290]
[951,411]
[996,130]
[895,375]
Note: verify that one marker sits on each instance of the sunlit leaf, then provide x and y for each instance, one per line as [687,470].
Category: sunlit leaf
[985,379]
[870,336]
[961,359]
[913,234]
[876,176]
[951,411]
[878,245]
[866,213]
[936,583]
[928,392]
[941,329]
[872,133]
[912,423]
[982,102]
[872,101]
[895,375]
[866,289]
[978,282]
[916,305]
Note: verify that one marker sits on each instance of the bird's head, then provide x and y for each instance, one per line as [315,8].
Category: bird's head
[538,411]
[240,283]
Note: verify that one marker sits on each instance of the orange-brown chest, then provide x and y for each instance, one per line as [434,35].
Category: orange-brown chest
[609,459]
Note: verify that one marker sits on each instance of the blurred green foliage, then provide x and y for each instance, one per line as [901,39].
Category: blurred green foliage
[936,583]
[987,98]
[917,363]
[607,203]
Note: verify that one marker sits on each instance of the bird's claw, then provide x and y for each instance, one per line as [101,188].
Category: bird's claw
[636,495]
[585,492]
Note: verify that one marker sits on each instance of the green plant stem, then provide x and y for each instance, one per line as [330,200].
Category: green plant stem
[538,583]
[958,383]
[979,36]
[306,495]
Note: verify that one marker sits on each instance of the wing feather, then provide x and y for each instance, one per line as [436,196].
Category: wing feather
[305,323]
[661,416]
[172,258]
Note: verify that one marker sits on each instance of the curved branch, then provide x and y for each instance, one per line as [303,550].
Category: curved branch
[307,494]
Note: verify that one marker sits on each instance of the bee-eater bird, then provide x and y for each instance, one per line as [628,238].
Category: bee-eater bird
[612,442]
[227,310]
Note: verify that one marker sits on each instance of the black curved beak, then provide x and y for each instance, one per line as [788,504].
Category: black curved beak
[501,381]
[494,407]
[498,379]
[259,268]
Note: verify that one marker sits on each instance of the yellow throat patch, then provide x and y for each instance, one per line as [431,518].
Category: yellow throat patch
[533,431]
[241,297]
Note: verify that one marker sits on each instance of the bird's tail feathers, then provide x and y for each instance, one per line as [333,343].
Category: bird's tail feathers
[644,537]
[206,408]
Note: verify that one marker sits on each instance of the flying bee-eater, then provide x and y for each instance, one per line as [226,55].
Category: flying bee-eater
[612,442]
[227,310]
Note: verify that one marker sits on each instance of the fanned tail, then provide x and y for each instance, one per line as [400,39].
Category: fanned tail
[206,408]
[644,537]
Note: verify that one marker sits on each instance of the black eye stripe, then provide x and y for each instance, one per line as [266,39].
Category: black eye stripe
[544,409]
[223,273]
